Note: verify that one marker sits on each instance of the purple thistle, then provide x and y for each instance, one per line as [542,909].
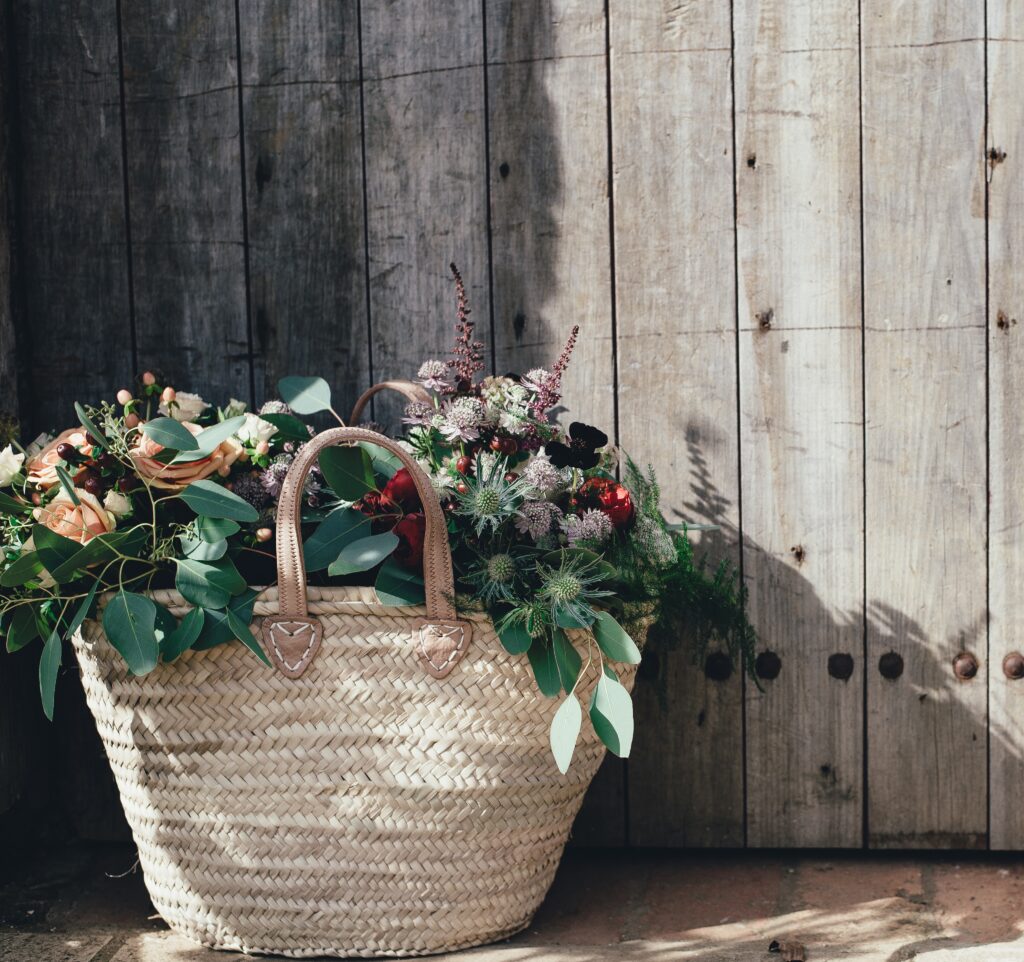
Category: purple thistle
[467,360]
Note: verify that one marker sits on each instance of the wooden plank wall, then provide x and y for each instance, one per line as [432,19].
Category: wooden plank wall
[789,230]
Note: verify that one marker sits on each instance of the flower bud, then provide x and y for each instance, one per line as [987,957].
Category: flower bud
[149,378]
[168,395]
[264,534]
[132,421]
[124,396]
[263,447]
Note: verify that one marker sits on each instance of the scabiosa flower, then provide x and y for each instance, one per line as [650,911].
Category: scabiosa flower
[418,414]
[588,529]
[490,500]
[543,476]
[537,518]
[570,589]
[461,419]
[434,376]
[249,487]
[275,407]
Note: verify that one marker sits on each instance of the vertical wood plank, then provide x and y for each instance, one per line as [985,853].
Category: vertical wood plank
[547,122]
[303,149]
[547,110]
[73,259]
[1006,432]
[425,179]
[798,223]
[924,270]
[185,190]
[673,191]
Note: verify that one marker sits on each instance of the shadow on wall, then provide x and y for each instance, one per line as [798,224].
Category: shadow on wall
[908,656]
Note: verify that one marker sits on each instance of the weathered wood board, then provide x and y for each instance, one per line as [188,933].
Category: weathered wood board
[304,192]
[674,264]
[184,186]
[1005,170]
[798,237]
[426,181]
[925,483]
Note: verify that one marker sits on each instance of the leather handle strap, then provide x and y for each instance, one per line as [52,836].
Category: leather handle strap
[292,637]
[291,565]
[408,389]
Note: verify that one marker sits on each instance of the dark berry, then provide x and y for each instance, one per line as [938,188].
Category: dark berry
[67,452]
[510,476]
[93,485]
[462,487]
[508,446]
[464,464]
[497,443]
[128,483]
[106,460]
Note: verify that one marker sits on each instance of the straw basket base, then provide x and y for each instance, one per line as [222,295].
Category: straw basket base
[364,809]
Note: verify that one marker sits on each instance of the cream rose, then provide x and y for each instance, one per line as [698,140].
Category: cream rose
[10,465]
[42,468]
[255,430]
[187,407]
[175,477]
[117,504]
[78,522]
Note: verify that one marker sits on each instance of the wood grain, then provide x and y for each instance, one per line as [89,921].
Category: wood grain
[426,181]
[303,149]
[73,255]
[1006,432]
[798,224]
[924,264]
[674,271]
[185,188]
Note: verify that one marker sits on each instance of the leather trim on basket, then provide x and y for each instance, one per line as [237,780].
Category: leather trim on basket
[441,645]
[292,642]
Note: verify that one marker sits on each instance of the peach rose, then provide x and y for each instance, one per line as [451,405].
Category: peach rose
[175,477]
[78,522]
[42,468]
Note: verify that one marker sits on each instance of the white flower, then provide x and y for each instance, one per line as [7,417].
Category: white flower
[10,465]
[461,419]
[117,504]
[543,476]
[535,380]
[255,430]
[275,407]
[434,375]
[186,407]
[235,408]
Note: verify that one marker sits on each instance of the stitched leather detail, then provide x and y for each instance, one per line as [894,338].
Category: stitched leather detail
[292,643]
[441,645]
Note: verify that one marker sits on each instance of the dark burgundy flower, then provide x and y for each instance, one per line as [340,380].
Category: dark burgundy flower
[610,497]
[581,451]
[401,489]
[411,530]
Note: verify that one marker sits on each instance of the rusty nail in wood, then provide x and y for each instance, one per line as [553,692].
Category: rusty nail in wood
[965,666]
[751,161]
[996,155]
[799,553]
[764,319]
[1003,321]
[1013,665]
[890,665]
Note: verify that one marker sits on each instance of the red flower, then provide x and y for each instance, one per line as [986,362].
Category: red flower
[411,529]
[373,503]
[611,497]
[402,490]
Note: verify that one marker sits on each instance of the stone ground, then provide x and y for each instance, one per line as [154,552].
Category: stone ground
[87,904]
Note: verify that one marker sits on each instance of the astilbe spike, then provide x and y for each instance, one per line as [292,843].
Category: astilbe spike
[467,360]
[551,391]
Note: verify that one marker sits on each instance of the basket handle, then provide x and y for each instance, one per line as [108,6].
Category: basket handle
[410,390]
[292,637]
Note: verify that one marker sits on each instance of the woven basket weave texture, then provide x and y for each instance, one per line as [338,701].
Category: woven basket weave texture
[364,809]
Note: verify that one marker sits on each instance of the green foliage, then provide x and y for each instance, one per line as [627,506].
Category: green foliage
[565,732]
[129,621]
[305,395]
[170,434]
[396,585]
[215,501]
[364,553]
[348,471]
[340,528]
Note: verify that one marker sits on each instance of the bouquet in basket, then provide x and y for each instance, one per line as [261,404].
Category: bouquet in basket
[553,531]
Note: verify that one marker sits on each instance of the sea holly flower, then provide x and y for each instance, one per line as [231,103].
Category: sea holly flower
[489,500]
[499,577]
[573,588]
[581,451]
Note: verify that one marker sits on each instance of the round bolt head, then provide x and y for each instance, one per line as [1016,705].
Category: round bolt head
[1013,665]
[768,665]
[890,665]
[965,666]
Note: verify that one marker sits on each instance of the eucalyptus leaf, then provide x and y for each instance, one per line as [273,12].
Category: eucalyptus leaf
[184,635]
[613,640]
[208,440]
[565,731]
[54,549]
[216,630]
[208,584]
[169,433]
[83,609]
[98,437]
[305,395]
[385,463]
[565,619]
[165,623]
[100,548]
[542,661]
[23,629]
[215,501]
[244,634]
[567,659]
[611,712]
[200,550]
[364,554]
[289,428]
[9,505]
[21,570]
[348,472]
[49,665]
[67,484]
[396,585]
[514,636]
[129,621]
[212,530]
[340,528]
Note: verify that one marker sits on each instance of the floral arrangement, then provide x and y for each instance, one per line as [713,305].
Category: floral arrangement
[550,529]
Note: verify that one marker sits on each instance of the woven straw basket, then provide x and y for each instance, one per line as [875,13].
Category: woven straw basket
[389,790]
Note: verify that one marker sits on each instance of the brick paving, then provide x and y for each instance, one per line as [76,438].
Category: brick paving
[86,904]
